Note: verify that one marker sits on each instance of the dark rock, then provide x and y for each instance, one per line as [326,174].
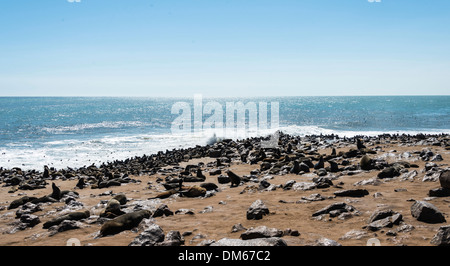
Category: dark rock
[442,237]
[426,212]
[351,193]
[437,158]
[65,226]
[257,210]
[29,219]
[444,179]
[152,235]
[223,179]
[313,197]
[322,182]
[237,228]
[173,239]
[215,172]
[261,232]
[162,210]
[28,208]
[289,185]
[389,172]
[335,206]
[388,221]
[325,242]
[381,214]
[439,192]
[209,186]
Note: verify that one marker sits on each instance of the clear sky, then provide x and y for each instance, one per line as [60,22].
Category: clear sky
[224,47]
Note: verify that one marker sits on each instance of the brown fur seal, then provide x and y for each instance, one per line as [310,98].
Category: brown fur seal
[444,179]
[194,191]
[70,216]
[19,202]
[165,194]
[112,209]
[234,178]
[124,222]
[56,193]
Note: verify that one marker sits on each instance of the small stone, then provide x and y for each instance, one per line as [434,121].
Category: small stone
[257,210]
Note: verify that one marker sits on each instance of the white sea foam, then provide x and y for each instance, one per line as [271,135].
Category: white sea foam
[105,124]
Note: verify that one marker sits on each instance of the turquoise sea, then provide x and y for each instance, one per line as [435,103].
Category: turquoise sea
[77,131]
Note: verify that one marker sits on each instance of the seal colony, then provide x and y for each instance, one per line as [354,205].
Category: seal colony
[311,190]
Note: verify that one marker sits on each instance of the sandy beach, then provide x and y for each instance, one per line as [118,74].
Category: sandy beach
[293,199]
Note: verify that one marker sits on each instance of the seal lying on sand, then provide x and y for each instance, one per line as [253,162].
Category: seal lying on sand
[124,222]
[70,216]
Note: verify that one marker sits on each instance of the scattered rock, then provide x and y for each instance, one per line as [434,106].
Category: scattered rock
[152,235]
[439,192]
[426,212]
[261,232]
[351,193]
[162,210]
[257,210]
[325,242]
[339,206]
[444,179]
[237,228]
[442,237]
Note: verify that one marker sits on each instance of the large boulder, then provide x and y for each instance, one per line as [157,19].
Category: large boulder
[257,210]
[426,212]
[444,179]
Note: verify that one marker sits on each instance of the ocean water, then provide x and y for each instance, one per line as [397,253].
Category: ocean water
[74,131]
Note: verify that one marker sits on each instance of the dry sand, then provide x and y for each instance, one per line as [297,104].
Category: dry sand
[229,207]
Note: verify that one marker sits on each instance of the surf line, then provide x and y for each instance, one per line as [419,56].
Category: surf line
[226,121]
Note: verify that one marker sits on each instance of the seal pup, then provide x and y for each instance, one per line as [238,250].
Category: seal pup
[124,222]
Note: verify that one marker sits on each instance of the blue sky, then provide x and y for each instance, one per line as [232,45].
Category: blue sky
[224,47]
